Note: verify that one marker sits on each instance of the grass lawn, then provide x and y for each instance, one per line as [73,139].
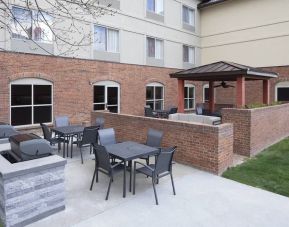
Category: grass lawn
[268,170]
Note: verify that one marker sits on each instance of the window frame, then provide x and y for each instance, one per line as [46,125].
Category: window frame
[106,39]
[154,100]
[32,82]
[147,46]
[205,86]
[283,84]
[194,15]
[154,11]
[188,86]
[194,55]
[31,36]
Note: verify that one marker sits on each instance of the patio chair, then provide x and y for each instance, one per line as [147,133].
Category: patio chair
[89,138]
[99,121]
[199,110]
[171,110]
[154,139]
[162,168]
[47,134]
[148,112]
[106,136]
[61,121]
[103,165]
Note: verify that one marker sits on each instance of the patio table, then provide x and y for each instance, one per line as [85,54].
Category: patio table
[128,151]
[68,131]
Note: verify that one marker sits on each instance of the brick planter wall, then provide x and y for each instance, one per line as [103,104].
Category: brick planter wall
[257,129]
[203,146]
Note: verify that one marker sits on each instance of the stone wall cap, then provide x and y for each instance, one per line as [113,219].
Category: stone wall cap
[9,170]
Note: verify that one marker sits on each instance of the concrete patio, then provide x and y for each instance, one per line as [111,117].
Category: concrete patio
[202,199]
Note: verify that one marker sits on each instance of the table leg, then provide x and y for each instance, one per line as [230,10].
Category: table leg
[67,146]
[130,174]
[124,180]
[64,148]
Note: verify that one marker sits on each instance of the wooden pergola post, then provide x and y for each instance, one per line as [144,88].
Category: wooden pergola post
[266,92]
[181,96]
[211,97]
[240,92]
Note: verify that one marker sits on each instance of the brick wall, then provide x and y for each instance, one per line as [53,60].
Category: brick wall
[256,129]
[203,146]
[72,79]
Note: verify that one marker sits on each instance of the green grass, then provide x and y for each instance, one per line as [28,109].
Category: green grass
[269,170]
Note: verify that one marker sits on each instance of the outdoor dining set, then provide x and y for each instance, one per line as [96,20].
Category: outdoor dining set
[112,156]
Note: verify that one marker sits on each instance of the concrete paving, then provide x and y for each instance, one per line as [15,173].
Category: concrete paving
[202,200]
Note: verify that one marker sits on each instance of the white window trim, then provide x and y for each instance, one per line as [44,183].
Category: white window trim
[204,87]
[187,86]
[284,84]
[194,10]
[107,83]
[194,48]
[163,49]
[32,82]
[154,85]
[106,41]
[155,9]
[32,36]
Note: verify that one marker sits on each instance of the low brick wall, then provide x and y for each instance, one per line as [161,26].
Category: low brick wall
[257,129]
[203,146]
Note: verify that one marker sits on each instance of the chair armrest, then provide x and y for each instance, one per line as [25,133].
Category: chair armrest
[144,165]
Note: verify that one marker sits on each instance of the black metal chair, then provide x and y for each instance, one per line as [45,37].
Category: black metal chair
[88,138]
[47,134]
[171,110]
[162,168]
[103,165]
[148,112]
[154,139]
[99,121]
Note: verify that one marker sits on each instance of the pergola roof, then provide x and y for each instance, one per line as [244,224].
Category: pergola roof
[223,71]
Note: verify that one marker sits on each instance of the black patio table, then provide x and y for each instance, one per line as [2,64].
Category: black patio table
[68,131]
[128,151]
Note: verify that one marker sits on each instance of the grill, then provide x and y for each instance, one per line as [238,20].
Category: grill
[26,147]
[7,130]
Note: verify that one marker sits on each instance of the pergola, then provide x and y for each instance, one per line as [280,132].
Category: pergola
[224,71]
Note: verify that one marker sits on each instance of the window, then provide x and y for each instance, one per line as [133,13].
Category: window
[189,54]
[31,102]
[106,39]
[154,48]
[155,96]
[31,24]
[188,16]
[282,92]
[189,97]
[156,6]
[206,96]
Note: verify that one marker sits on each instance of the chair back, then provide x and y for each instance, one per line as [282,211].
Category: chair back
[173,110]
[148,112]
[106,136]
[102,157]
[61,121]
[89,135]
[154,138]
[164,160]
[46,132]
[99,121]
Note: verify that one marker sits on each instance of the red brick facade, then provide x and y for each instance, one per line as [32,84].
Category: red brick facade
[203,146]
[256,129]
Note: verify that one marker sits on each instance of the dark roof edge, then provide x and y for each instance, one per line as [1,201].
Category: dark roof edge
[209,3]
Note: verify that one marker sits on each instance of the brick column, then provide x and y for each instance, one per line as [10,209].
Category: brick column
[181,96]
[240,92]
[266,92]
[211,97]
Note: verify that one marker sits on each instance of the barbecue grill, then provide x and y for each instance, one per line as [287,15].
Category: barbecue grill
[26,147]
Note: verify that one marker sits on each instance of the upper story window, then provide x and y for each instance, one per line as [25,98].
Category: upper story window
[31,24]
[31,102]
[189,97]
[155,96]
[156,6]
[155,48]
[188,54]
[106,39]
[188,16]
[282,91]
[206,96]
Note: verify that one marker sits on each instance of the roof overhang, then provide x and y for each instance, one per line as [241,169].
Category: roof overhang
[205,4]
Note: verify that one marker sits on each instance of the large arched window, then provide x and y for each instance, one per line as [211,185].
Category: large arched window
[31,102]
[189,97]
[282,91]
[106,96]
[155,96]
